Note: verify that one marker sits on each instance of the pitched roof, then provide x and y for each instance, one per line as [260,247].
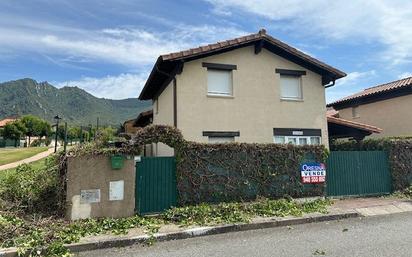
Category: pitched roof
[380,89]
[3,122]
[143,119]
[167,64]
[331,116]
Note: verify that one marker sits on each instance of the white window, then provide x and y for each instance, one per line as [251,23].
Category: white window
[355,112]
[297,140]
[218,140]
[290,87]
[219,82]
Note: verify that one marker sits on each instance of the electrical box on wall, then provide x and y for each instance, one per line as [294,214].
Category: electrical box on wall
[117,162]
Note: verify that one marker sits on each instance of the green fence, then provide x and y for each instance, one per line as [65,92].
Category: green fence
[8,142]
[358,173]
[155,184]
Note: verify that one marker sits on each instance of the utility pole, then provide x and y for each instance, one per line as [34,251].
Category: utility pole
[57,118]
[65,136]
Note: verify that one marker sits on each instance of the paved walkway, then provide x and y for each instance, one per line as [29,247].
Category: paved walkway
[28,160]
[373,206]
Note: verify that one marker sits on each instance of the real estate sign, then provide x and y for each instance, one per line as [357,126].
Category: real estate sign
[313,172]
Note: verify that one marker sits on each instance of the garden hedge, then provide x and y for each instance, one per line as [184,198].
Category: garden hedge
[400,156]
[242,172]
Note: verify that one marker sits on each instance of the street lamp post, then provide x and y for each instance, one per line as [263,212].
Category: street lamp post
[57,118]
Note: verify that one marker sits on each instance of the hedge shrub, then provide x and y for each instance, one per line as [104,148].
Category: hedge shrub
[400,156]
[31,190]
[243,172]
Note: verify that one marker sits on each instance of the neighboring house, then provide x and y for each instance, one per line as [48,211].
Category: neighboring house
[143,119]
[339,128]
[253,89]
[4,122]
[129,126]
[386,106]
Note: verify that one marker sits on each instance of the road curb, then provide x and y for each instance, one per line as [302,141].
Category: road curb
[196,232]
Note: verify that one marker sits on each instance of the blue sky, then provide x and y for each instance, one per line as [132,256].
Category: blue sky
[109,47]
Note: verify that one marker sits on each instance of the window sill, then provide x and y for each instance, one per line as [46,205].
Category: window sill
[220,96]
[291,100]
[355,118]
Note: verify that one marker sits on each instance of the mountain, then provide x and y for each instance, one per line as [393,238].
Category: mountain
[74,105]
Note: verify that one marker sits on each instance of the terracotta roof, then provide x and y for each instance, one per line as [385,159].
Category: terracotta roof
[3,122]
[168,65]
[353,124]
[402,83]
[261,35]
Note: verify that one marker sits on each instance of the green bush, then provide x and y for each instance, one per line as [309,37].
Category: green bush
[32,190]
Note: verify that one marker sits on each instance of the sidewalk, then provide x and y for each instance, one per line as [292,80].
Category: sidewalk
[373,206]
[28,160]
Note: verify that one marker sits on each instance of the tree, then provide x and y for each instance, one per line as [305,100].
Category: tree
[33,125]
[14,130]
[44,129]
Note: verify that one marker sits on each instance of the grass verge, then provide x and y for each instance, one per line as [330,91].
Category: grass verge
[9,155]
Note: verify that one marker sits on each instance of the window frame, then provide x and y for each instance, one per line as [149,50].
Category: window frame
[224,68]
[355,112]
[232,139]
[296,139]
[300,88]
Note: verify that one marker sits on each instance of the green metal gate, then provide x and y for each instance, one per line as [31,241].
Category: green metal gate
[358,173]
[155,184]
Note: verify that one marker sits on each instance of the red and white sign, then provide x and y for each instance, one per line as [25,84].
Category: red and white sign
[313,173]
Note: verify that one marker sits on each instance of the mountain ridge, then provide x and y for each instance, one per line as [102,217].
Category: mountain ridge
[73,104]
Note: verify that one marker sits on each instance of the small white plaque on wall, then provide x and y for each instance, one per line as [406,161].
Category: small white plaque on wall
[90,196]
[116,190]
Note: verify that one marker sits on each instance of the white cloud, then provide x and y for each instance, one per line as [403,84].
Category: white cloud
[386,22]
[125,85]
[132,47]
[352,83]
[405,75]
[355,77]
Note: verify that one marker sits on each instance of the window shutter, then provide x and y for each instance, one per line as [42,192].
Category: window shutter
[219,82]
[290,87]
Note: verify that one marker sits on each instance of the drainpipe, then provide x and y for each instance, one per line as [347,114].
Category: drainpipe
[330,85]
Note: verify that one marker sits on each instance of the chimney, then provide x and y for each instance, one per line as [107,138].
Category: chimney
[262,31]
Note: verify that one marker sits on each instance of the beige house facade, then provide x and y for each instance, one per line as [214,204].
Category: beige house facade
[386,106]
[251,92]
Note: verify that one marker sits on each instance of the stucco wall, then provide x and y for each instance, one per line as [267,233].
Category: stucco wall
[391,115]
[85,173]
[163,115]
[256,107]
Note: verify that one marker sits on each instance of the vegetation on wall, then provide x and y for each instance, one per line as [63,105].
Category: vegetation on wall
[242,172]
[400,156]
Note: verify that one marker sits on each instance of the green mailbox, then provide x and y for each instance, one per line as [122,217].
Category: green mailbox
[117,162]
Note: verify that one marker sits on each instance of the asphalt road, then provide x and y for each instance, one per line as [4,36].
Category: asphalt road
[389,235]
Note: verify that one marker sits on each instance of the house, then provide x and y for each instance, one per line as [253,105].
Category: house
[253,89]
[4,121]
[339,128]
[386,106]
